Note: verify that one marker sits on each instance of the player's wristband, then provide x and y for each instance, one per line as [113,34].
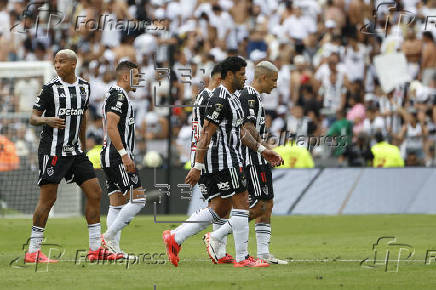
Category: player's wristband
[199,166]
[122,152]
[261,148]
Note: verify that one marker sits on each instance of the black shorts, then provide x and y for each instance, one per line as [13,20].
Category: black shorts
[118,179]
[224,183]
[76,169]
[259,183]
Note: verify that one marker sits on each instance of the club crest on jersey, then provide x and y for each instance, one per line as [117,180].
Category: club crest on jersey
[218,107]
[120,97]
[82,93]
[251,103]
[50,171]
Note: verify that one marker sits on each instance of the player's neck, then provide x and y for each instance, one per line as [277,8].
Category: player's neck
[255,85]
[228,86]
[71,79]
[123,86]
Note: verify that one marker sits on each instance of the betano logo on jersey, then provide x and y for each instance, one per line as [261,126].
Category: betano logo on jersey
[70,112]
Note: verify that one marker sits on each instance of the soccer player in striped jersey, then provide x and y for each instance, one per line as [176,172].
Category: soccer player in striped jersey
[257,170]
[123,184]
[64,101]
[219,147]
[221,207]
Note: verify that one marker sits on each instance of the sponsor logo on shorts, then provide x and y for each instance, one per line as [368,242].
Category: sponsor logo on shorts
[50,171]
[223,186]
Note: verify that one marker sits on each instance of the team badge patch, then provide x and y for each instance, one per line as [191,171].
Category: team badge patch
[120,97]
[218,107]
[265,189]
[251,103]
[134,178]
[82,93]
[50,171]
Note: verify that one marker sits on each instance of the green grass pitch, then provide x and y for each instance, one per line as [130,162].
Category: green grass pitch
[324,253]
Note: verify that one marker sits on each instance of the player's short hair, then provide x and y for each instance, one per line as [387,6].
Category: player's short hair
[126,65]
[69,53]
[428,34]
[233,64]
[216,69]
[264,68]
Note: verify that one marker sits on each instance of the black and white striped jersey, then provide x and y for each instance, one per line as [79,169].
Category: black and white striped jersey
[225,111]
[67,101]
[117,101]
[254,112]
[198,112]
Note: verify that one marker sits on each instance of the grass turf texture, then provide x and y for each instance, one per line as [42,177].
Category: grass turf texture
[317,246]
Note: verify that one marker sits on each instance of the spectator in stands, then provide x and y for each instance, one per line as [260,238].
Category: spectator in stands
[428,61]
[359,153]
[385,155]
[294,156]
[342,129]
[8,157]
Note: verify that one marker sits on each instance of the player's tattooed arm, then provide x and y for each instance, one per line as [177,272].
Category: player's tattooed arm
[271,156]
[82,133]
[249,127]
[36,119]
[206,134]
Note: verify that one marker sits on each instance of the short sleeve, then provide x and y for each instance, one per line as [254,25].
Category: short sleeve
[43,99]
[87,99]
[216,110]
[250,104]
[115,103]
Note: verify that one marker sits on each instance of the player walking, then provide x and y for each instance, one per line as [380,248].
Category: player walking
[64,101]
[257,170]
[117,156]
[219,147]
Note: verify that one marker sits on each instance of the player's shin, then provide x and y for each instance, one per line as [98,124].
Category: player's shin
[198,221]
[239,221]
[127,213]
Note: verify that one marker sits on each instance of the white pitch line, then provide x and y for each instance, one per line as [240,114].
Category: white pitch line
[290,261]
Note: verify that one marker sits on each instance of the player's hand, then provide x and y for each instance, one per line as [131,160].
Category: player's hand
[128,163]
[55,122]
[272,157]
[193,176]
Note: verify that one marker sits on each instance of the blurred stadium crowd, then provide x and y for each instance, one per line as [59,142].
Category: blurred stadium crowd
[327,85]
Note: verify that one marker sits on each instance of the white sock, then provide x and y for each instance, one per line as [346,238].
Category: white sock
[111,216]
[222,232]
[94,236]
[222,246]
[189,229]
[216,227]
[127,213]
[36,238]
[263,237]
[239,221]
